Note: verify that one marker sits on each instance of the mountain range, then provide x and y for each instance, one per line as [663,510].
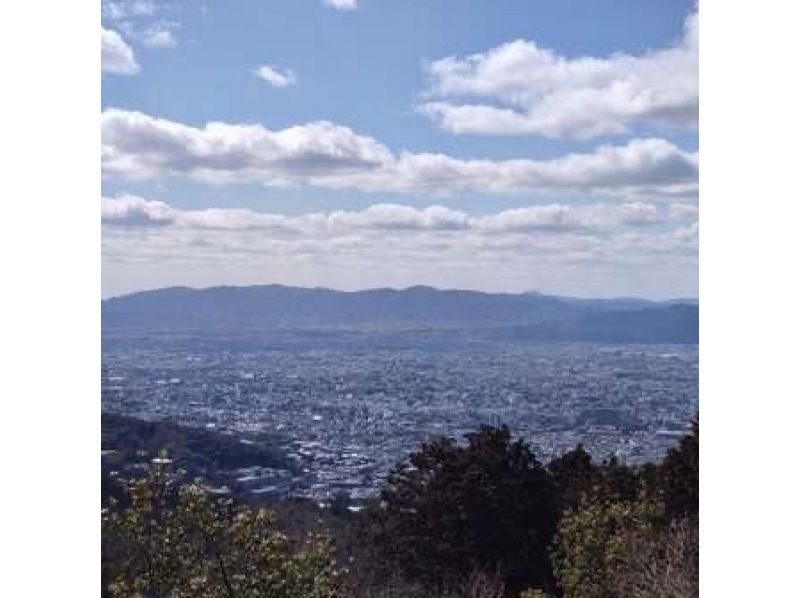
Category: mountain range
[525,316]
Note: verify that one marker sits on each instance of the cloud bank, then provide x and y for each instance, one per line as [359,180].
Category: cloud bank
[323,154]
[590,248]
[601,219]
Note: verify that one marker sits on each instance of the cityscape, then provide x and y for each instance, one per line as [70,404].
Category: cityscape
[399,299]
[344,418]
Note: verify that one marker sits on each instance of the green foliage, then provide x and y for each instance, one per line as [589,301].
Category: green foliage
[575,476]
[592,542]
[196,449]
[635,534]
[176,541]
[680,476]
[618,482]
[483,519]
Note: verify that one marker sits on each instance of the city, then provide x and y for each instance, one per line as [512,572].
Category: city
[344,418]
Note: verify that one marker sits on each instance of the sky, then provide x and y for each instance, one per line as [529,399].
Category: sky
[510,145]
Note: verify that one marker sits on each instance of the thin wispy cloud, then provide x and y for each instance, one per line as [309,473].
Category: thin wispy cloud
[275,77]
[148,22]
[341,4]
[159,38]
[119,10]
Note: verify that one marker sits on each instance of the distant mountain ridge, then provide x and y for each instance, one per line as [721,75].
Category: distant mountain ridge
[528,315]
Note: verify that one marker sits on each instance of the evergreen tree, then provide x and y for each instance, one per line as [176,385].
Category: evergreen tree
[680,476]
[450,510]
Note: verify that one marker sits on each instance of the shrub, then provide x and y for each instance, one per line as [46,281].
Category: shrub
[176,540]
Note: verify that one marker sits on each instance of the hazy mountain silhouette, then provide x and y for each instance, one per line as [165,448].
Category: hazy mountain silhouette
[528,315]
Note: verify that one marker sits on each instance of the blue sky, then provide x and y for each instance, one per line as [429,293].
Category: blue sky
[582,115]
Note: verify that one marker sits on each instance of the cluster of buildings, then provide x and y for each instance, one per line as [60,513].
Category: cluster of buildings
[346,418]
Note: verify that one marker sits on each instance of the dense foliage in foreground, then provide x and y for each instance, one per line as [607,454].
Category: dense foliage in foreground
[175,540]
[482,519]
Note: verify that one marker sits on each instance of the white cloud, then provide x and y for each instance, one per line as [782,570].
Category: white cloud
[521,88]
[398,217]
[159,38]
[689,234]
[133,211]
[130,210]
[591,219]
[685,211]
[145,21]
[642,166]
[116,55]
[341,4]
[276,78]
[117,10]
[139,146]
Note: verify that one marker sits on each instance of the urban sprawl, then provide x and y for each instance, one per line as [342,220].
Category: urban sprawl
[346,418]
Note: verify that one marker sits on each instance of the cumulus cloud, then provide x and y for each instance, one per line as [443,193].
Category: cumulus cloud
[135,211]
[274,77]
[521,88]
[116,55]
[139,146]
[641,166]
[130,210]
[341,4]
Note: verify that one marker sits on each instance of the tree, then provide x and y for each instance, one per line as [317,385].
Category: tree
[175,540]
[574,475]
[661,563]
[635,534]
[618,482]
[593,540]
[451,510]
[680,476]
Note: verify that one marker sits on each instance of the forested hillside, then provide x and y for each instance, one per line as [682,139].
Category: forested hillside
[479,518]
